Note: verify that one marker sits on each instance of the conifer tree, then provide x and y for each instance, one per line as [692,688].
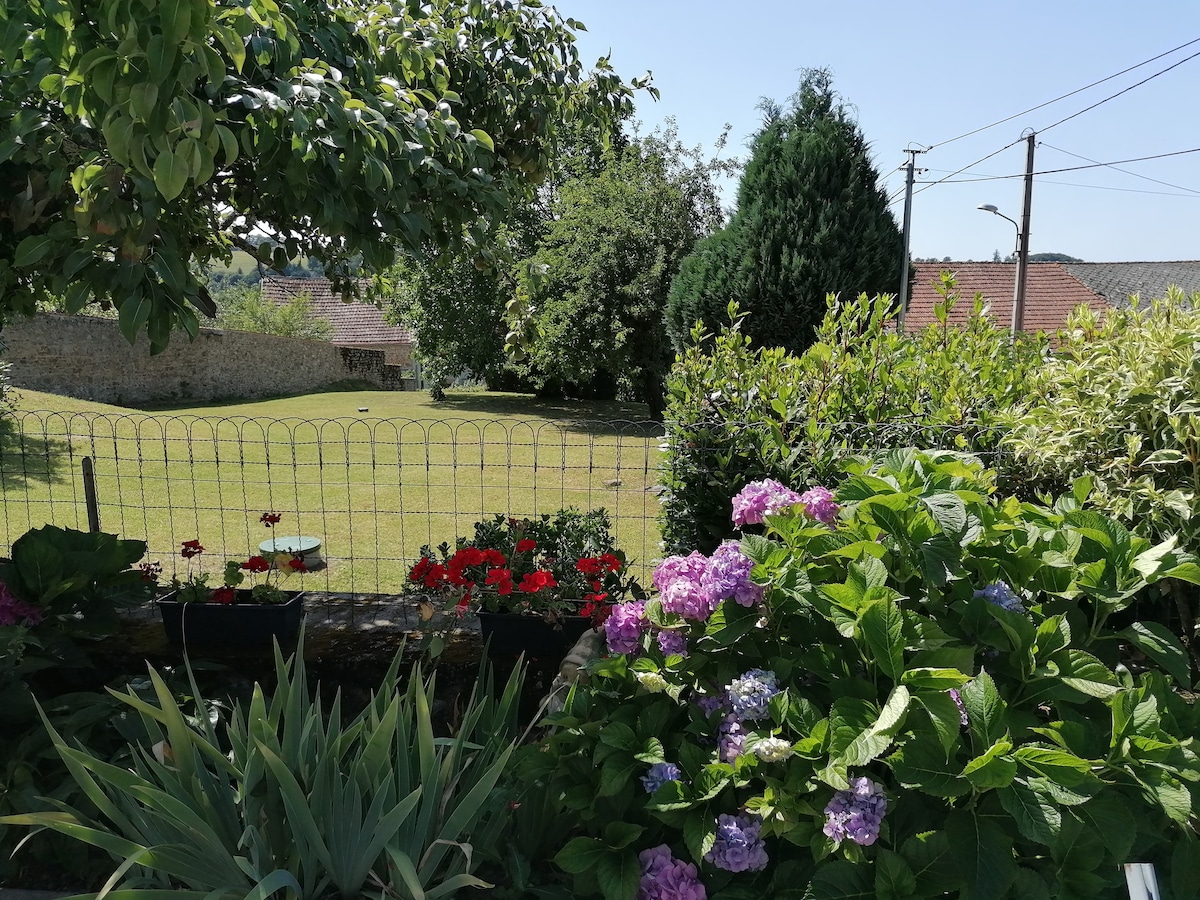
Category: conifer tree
[811,219]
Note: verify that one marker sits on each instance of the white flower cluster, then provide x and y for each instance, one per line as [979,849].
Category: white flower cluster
[773,749]
[652,681]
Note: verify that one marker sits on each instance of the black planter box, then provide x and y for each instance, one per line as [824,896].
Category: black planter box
[512,634]
[241,624]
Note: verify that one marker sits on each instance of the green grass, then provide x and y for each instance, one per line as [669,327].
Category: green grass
[373,486]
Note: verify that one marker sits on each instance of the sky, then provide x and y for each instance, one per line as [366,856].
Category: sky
[924,72]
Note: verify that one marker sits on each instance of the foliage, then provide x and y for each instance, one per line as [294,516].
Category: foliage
[287,796]
[737,413]
[565,564]
[456,302]
[811,218]
[891,719]
[143,141]
[604,266]
[244,308]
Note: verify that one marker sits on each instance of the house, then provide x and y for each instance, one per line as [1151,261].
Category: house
[1051,292]
[1115,282]
[358,325]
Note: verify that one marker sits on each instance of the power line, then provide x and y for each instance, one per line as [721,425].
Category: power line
[1179,187]
[1065,96]
[1120,92]
[946,180]
[930,184]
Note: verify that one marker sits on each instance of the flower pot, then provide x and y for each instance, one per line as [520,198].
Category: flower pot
[511,634]
[240,624]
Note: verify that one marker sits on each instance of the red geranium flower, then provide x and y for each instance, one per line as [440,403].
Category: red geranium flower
[190,549]
[257,565]
[224,595]
[610,561]
[524,545]
[270,518]
[502,579]
[467,556]
[535,581]
[435,574]
[463,605]
[421,569]
[296,564]
[150,571]
[588,565]
[494,557]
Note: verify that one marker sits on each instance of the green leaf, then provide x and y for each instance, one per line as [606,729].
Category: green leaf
[580,854]
[934,679]
[948,511]
[985,709]
[619,735]
[882,626]
[984,854]
[160,56]
[841,880]
[993,769]
[32,249]
[170,174]
[944,714]
[1110,816]
[618,874]
[484,138]
[1162,646]
[1037,817]
[1057,765]
[619,835]
[894,880]
[878,736]
[1086,674]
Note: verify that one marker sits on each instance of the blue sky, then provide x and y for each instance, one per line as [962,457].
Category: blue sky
[925,71]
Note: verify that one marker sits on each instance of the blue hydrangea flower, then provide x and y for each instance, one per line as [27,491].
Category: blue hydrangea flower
[738,847]
[749,694]
[856,814]
[660,774]
[1001,595]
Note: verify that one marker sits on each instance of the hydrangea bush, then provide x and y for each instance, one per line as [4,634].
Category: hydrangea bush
[912,689]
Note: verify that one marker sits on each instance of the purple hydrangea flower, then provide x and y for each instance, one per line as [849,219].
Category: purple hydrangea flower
[17,612]
[759,499]
[666,878]
[709,704]
[660,774]
[856,814]
[1001,595]
[624,626]
[749,694]
[820,505]
[727,576]
[678,581]
[732,741]
[673,643]
[962,710]
[739,847]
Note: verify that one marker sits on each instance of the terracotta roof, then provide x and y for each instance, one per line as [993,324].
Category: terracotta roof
[1150,280]
[353,323]
[1051,292]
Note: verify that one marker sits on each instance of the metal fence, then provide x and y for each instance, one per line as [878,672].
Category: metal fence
[372,491]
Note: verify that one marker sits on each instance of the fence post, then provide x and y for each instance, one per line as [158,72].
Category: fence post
[89,494]
[1141,881]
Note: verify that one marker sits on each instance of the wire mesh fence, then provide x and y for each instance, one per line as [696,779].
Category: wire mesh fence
[372,491]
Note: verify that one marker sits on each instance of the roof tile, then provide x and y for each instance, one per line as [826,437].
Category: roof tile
[353,323]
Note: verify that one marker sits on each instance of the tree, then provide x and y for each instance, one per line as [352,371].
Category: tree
[244,308]
[140,141]
[811,219]
[605,265]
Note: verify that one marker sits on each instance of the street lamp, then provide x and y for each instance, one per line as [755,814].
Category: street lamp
[1018,315]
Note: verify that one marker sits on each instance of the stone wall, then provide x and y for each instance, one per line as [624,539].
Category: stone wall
[88,358]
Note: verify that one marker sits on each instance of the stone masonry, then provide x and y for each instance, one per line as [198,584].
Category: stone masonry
[88,358]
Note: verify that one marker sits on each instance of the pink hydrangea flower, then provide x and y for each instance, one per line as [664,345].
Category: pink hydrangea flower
[759,499]
[819,504]
[679,582]
[666,878]
[624,626]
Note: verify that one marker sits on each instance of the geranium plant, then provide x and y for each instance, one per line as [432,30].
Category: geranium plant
[549,567]
[909,689]
[273,567]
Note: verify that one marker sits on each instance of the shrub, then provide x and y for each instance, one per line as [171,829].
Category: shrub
[891,718]
[737,413]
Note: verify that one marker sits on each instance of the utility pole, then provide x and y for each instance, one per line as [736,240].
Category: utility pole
[908,192]
[1018,316]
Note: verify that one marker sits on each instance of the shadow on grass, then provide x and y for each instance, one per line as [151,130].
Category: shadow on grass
[27,458]
[601,418]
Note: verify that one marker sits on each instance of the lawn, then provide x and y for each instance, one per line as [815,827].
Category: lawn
[372,485]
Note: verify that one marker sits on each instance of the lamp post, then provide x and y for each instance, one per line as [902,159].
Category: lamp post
[1022,254]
